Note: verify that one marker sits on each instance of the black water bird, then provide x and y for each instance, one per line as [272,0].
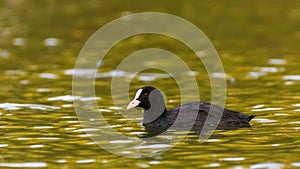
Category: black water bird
[187,114]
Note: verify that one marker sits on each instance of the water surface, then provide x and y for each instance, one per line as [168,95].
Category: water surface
[258,43]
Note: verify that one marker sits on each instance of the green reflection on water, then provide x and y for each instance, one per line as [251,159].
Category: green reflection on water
[41,39]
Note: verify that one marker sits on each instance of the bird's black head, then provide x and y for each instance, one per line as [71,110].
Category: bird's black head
[141,98]
[151,100]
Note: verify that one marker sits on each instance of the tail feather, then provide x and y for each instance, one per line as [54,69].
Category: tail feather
[250,118]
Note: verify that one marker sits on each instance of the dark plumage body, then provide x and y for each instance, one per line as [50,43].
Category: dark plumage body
[229,118]
[195,113]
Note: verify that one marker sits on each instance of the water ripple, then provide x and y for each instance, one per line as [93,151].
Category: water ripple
[36,146]
[69,98]
[268,109]
[90,73]
[267,166]
[277,61]
[48,138]
[121,141]
[61,161]
[48,76]
[51,41]
[296,164]
[19,41]
[3,145]
[17,106]
[152,146]
[43,127]
[256,74]
[292,77]
[214,165]
[261,120]
[86,161]
[22,165]
[233,159]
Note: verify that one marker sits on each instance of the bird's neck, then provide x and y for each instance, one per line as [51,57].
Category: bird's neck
[151,115]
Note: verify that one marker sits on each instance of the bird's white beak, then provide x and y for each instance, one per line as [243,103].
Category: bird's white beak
[133,104]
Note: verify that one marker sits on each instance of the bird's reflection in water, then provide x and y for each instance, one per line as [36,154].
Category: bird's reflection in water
[152,131]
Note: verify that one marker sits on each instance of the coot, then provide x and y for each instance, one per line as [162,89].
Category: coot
[156,114]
